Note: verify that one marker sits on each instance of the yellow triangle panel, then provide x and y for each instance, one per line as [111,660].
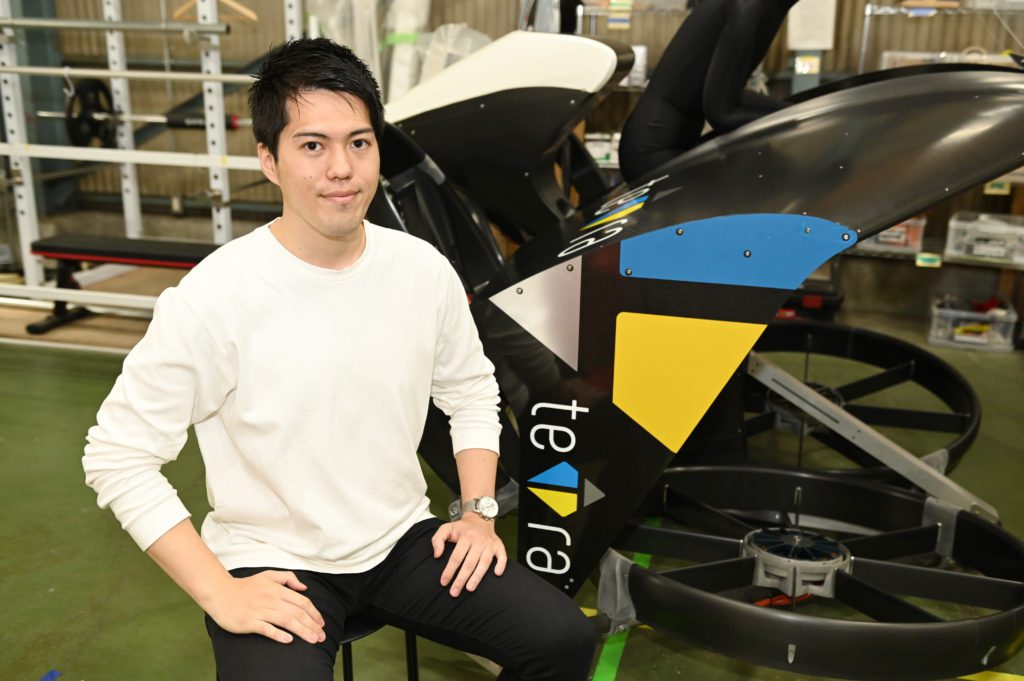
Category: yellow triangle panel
[562,503]
[668,370]
[621,213]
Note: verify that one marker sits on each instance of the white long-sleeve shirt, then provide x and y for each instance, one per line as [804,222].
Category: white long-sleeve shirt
[308,389]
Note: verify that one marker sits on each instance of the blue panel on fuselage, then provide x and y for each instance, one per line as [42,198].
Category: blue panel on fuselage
[562,475]
[765,250]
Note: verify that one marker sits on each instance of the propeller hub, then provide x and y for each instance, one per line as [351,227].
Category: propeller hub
[796,561]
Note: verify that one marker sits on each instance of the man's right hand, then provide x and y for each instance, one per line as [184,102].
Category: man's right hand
[267,603]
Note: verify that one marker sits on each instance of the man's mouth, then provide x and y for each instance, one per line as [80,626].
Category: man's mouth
[340,197]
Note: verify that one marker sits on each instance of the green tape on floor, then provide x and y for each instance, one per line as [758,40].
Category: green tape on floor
[611,656]
[611,652]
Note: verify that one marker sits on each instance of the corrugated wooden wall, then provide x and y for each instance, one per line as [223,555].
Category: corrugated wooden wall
[953,32]
[493,17]
[248,40]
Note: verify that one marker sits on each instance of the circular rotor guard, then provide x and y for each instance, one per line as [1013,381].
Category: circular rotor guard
[885,364]
[925,592]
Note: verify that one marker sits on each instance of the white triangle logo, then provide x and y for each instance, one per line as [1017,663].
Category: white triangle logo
[547,305]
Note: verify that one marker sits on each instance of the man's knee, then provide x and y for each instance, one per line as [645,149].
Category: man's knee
[563,646]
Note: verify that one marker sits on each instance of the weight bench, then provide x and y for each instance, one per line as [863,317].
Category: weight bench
[71,250]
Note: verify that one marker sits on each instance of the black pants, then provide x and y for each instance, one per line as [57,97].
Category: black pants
[517,620]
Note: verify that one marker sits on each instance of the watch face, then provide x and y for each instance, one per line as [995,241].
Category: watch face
[488,507]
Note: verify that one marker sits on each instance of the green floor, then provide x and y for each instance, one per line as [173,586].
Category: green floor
[78,597]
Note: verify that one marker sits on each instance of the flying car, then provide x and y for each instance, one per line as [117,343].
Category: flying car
[617,324]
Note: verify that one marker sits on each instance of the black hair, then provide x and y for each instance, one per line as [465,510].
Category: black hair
[304,65]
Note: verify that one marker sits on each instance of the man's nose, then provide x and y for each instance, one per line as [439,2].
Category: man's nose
[339,166]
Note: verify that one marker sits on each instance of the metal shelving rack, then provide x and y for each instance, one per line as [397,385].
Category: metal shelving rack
[888,10]
[208,31]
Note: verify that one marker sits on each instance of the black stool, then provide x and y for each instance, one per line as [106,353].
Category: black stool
[360,627]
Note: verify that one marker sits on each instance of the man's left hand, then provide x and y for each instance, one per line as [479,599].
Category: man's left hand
[476,545]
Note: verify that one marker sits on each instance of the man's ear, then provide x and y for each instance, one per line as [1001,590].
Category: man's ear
[267,163]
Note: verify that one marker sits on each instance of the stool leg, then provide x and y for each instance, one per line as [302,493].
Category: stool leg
[346,661]
[411,663]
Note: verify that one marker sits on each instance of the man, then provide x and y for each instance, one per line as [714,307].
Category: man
[305,354]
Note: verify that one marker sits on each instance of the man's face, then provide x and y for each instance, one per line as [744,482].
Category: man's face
[327,165]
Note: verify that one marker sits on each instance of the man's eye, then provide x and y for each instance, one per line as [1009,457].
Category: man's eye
[361,144]
[312,146]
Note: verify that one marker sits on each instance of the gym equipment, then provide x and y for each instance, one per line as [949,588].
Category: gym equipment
[71,250]
[90,99]
[90,116]
[179,76]
[182,27]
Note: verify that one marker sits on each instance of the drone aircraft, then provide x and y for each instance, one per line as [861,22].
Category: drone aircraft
[617,325]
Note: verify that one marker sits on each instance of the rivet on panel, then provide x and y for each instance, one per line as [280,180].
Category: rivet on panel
[629,272]
[570,268]
[519,291]
[846,237]
[679,232]
[746,254]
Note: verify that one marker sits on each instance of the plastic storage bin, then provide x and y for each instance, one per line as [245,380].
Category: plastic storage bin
[990,236]
[906,237]
[954,324]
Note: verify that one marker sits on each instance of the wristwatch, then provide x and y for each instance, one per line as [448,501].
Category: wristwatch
[486,507]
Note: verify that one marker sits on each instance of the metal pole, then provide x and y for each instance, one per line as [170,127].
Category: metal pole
[139,26]
[122,102]
[185,76]
[70,295]
[864,33]
[21,167]
[216,137]
[141,156]
[853,430]
[292,19]
[196,120]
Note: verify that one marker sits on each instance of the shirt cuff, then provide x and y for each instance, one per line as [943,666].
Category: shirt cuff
[477,438]
[157,521]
